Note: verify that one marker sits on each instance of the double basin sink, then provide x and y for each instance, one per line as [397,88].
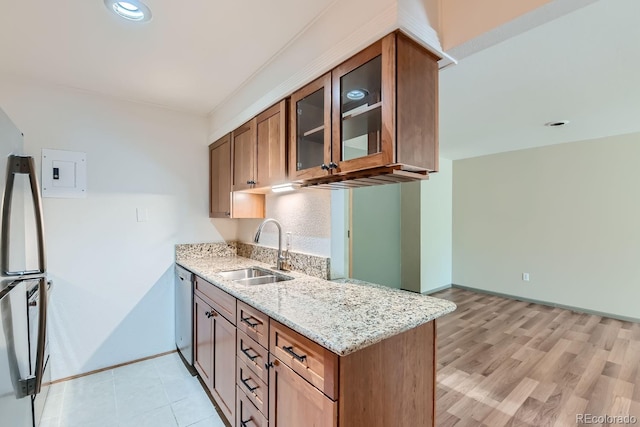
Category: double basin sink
[254,276]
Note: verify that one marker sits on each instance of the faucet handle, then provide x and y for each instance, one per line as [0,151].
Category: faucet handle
[283,261]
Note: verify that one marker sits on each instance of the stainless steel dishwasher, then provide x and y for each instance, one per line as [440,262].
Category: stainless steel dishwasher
[184,315]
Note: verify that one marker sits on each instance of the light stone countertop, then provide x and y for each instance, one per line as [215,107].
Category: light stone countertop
[342,317]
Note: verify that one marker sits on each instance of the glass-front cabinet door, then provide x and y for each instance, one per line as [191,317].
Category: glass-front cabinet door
[363,105]
[310,145]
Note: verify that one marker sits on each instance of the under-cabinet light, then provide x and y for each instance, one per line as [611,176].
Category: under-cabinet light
[282,188]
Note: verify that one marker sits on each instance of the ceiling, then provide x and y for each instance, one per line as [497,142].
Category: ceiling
[191,56]
[583,67]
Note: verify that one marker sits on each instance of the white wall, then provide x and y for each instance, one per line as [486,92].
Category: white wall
[436,203]
[113,295]
[567,214]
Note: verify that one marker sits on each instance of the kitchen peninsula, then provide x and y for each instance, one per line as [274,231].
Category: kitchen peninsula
[313,352]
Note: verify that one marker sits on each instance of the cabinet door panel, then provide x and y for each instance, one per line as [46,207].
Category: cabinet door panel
[220,178]
[203,333]
[243,142]
[293,402]
[271,146]
[224,358]
[310,133]
[364,108]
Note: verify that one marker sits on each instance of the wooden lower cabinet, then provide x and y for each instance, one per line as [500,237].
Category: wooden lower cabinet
[293,402]
[390,383]
[283,379]
[215,355]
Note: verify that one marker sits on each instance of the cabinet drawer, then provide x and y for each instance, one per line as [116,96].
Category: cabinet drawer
[253,355]
[248,415]
[254,323]
[221,301]
[311,361]
[253,387]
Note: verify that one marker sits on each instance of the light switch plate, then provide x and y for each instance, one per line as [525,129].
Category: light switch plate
[64,174]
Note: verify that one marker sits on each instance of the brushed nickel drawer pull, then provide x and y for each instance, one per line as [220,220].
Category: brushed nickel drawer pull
[248,321]
[246,353]
[294,354]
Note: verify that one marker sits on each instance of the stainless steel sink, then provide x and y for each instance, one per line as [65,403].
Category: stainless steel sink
[254,276]
[245,273]
[262,280]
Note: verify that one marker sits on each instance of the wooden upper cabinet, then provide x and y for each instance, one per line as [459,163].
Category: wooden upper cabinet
[377,109]
[385,107]
[373,119]
[243,142]
[310,130]
[260,151]
[363,108]
[222,202]
[220,178]
[271,164]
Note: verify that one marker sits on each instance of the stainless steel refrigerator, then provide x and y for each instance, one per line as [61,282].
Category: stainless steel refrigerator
[24,367]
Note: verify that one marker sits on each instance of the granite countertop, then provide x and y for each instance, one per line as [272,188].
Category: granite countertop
[342,317]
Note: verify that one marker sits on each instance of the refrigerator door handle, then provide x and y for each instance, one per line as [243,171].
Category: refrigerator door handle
[42,333]
[32,385]
[22,165]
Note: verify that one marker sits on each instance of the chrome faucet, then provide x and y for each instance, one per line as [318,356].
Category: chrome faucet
[283,261]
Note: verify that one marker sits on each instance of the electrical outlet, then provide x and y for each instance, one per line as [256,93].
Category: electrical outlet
[525,277]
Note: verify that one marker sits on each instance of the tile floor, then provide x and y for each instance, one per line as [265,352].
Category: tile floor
[157,392]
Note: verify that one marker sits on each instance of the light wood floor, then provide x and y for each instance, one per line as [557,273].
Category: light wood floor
[503,362]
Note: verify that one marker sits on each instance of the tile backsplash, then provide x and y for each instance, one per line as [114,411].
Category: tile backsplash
[205,250]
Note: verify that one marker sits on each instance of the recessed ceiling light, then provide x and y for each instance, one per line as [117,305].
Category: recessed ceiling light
[357,94]
[133,10]
[557,124]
